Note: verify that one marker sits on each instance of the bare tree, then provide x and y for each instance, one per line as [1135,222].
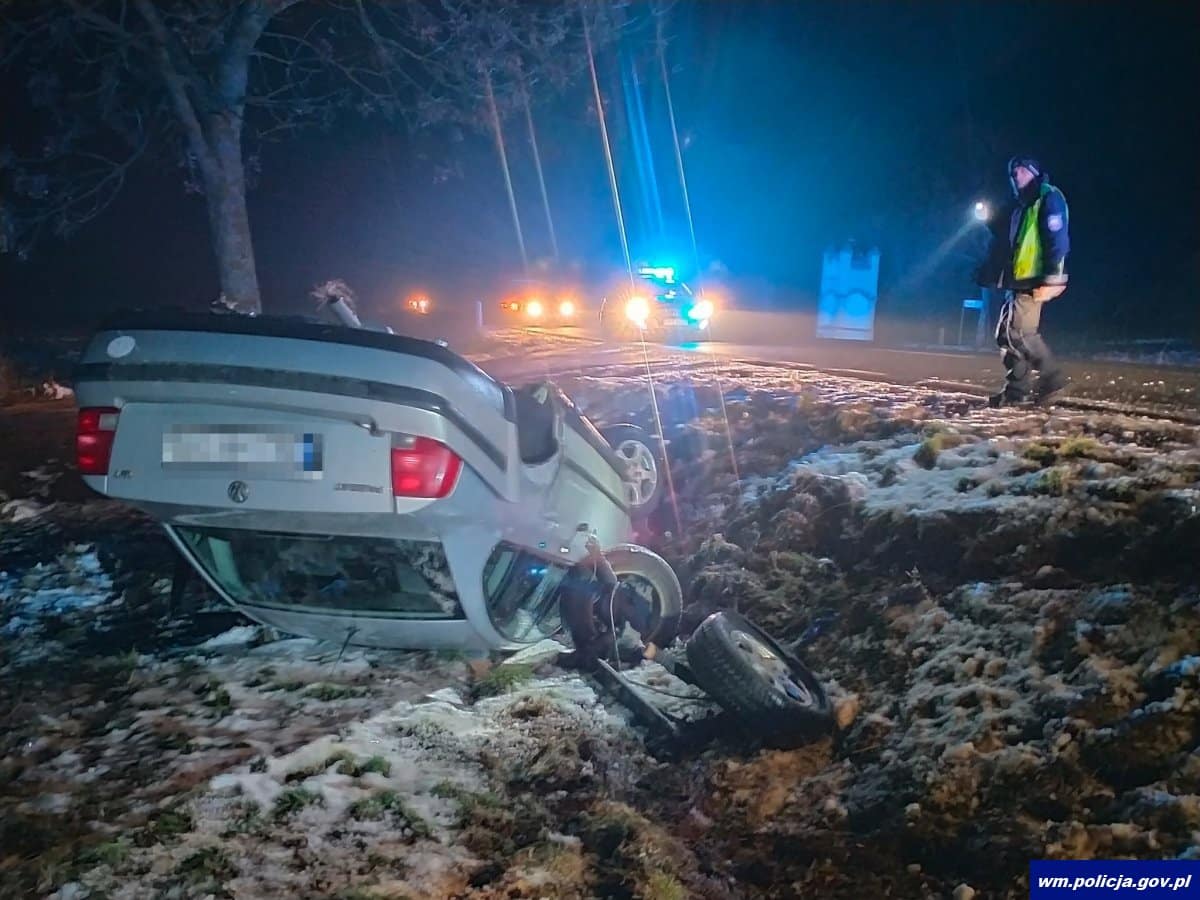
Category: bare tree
[111,81]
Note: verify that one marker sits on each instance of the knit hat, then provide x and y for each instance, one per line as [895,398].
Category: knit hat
[1026,162]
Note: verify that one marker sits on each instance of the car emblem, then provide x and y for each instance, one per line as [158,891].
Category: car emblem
[238,491]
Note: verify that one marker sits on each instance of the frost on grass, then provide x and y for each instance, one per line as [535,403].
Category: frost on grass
[1003,593]
[118,751]
[423,798]
[48,598]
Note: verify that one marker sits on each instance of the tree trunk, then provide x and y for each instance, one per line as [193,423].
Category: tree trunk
[228,221]
[212,126]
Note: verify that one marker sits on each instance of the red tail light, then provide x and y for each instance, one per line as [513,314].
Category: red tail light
[94,439]
[422,467]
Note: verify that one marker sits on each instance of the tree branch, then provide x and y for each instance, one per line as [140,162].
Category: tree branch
[176,88]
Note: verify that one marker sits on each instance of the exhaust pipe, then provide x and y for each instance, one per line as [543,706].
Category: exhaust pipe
[342,310]
[337,298]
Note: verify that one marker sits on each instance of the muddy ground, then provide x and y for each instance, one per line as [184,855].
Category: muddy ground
[1005,605]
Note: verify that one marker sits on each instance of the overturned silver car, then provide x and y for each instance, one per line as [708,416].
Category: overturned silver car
[360,486]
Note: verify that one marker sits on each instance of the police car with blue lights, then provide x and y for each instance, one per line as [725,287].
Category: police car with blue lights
[656,305]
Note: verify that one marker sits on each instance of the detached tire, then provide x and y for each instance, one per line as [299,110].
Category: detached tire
[651,576]
[646,482]
[778,700]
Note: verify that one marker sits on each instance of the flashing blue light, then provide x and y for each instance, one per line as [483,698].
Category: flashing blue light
[666,273]
[700,312]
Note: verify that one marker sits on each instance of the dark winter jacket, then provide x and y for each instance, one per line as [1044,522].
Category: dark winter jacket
[1030,240]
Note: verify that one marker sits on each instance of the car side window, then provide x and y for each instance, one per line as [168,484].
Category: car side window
[521,590]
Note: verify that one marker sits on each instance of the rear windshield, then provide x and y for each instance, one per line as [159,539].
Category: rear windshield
[347,575]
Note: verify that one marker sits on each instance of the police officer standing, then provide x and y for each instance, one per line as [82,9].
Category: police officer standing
[1027,259]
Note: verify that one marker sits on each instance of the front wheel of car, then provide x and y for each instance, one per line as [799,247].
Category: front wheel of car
[654,579]
[645,474]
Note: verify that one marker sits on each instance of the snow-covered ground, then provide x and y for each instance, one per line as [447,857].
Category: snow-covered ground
[1006,604]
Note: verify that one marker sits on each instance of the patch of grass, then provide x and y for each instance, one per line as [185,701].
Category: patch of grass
[175,740]
[120,663]
[620,834]
[1054,482]
[1117,491]
[610,825]
[424,730]
[289,686]
[1078,447]
[210,865]
[171,823]
[220,701]
[468,801]
[503,678]
[327,693]
[390,864]
[531,707]
[888,475]
[375,764]
[113,667]
[386,803]
[374,806]
[345,762]
[358,892]
[348,764]
[247,820]
[110,853]
[292,801]
[1039,453]
[996,488]
[927,453]
[663,886]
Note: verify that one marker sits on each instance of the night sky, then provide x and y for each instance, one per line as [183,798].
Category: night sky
[804,124]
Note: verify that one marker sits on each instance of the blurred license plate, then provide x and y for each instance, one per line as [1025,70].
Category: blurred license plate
[244,448]
[676,322]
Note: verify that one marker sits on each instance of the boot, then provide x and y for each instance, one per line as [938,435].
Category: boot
[1006,397]
[1048,384]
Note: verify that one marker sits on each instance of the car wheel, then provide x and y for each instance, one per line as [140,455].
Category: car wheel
[652,577]
[645,476]
[775,697]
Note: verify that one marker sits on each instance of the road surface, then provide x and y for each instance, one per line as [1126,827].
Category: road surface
[1162,389]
